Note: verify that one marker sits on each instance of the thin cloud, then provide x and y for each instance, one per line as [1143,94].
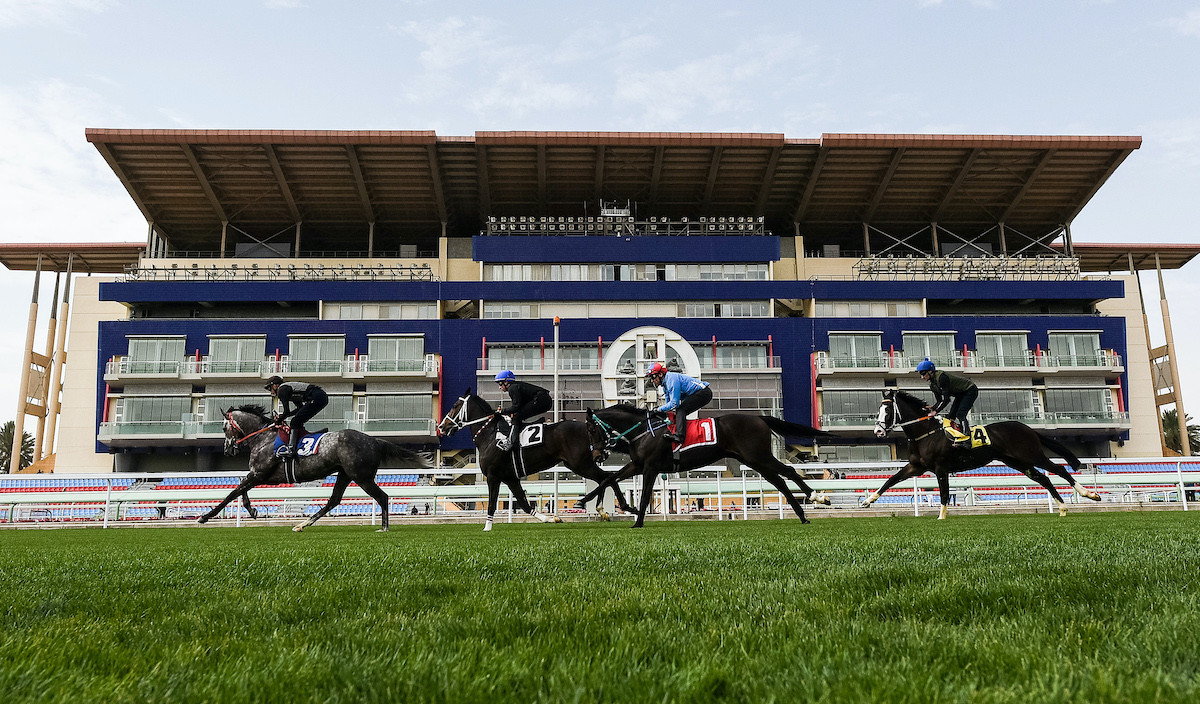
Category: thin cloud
[281,4]
[458,56]
[15,13]
[1188,25]
[45,163]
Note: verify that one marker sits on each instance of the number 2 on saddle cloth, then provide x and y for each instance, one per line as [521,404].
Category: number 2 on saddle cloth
[699,432]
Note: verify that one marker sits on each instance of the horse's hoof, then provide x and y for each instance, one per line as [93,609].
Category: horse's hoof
[821,498]
[254,515]
[298,529]
[1062,510]
[487,527]
[604,516]
[557,519]
[201,520]
[804,521]
[1092,495]
[382,530]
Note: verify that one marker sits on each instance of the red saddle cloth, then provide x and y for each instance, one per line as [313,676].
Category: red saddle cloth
[700,433]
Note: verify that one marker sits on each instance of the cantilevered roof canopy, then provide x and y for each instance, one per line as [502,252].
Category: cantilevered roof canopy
[263,182]
[1117,257]
[89,257]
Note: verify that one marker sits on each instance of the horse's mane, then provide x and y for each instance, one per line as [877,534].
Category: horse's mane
[909,398]
[253,408]
[481,400]
[627,407]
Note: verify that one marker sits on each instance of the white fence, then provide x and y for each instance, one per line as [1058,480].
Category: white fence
[108,499]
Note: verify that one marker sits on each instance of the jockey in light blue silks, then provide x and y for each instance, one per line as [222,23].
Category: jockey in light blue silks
[684,395]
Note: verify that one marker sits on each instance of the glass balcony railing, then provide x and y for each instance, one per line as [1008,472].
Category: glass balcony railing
[204,367]
[1072,418]
[707,362]
[1025,359]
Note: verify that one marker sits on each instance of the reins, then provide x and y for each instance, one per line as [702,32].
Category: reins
[270,426]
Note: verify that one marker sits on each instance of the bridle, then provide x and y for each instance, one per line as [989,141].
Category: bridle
[244,436]
[882,429]
[458,419]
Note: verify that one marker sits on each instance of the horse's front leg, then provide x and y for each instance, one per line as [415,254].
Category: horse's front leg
[493,497]
[253,512]
[648,477]
[245,486]
[906,472]
[522,500]
[943,478]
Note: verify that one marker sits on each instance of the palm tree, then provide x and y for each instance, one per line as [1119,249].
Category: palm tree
[1170,421]
[6,442]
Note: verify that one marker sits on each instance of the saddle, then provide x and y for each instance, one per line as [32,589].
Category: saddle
[978,438]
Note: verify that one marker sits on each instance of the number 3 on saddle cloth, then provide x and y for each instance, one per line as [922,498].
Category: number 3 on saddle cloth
[700,433]
[308,445]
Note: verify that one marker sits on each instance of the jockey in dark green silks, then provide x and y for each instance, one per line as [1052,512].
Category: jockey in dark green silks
[959,393]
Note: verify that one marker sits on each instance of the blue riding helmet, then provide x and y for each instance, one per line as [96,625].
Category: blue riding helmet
[505,376]
[925,366]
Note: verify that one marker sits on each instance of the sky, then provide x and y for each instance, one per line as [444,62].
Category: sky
[1051,67]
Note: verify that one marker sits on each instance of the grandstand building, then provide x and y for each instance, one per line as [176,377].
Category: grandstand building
[799,277]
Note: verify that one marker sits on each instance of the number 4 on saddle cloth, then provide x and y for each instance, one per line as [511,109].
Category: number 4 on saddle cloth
[700,433]
[979,434]
[308,445]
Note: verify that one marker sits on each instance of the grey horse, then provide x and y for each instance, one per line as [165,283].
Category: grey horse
[353,456]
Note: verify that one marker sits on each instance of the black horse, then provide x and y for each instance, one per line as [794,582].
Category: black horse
[744,437]
[354,456]
[567,442]
[1016,444]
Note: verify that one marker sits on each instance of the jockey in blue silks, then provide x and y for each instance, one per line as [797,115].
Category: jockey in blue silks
[684,395]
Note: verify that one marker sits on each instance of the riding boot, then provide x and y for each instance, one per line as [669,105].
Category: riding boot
[965,429]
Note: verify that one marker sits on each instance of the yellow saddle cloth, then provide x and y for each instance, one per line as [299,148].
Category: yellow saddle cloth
[979,435]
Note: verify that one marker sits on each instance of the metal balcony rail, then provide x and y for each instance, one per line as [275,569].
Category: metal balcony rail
[192,428]
[1024,359]
[1037,419]
[351,365]
[228,272]
[982,268]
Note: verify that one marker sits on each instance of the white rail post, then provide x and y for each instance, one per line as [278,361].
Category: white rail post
[108,499]
[916,508]
[720,508]
[745,511]
[1182,495]
[780,505]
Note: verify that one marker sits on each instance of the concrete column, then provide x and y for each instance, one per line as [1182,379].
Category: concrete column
[40,434]
[1185,446]
[59,361]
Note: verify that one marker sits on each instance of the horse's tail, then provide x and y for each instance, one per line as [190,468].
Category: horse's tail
[793,430]
[406,457]
[1056,446]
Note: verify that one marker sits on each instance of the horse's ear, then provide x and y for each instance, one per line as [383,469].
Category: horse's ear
[467,392]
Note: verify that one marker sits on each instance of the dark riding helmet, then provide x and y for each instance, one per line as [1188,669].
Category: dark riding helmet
[505,375]
[925,366]
[273,381]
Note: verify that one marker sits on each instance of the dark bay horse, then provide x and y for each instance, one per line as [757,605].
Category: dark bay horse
[746,438]
[353,456]
[1014,443]
[567,442]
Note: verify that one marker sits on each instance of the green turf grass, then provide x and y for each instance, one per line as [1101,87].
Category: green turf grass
[1101,607]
